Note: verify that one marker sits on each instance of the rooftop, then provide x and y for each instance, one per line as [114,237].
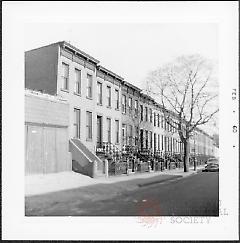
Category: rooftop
[101,68]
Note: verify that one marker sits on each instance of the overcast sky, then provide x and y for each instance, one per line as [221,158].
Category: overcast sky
[130,50]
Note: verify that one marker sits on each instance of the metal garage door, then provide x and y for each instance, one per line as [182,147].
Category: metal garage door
[46,149]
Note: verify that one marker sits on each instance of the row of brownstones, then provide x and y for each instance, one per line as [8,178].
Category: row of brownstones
[108,116]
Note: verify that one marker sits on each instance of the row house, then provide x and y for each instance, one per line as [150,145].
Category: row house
[130,114]
[108,110]
[92,91]
[146,119]
[165,137]
[201,144]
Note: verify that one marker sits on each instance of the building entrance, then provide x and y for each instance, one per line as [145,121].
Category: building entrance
[99,131]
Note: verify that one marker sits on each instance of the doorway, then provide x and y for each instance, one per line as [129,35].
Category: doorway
[99,131]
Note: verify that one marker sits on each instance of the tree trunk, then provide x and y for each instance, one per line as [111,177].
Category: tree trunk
[186,155]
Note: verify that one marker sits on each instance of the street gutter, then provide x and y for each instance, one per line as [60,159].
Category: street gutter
[160,181]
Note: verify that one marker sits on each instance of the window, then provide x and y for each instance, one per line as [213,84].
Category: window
[154,142]
[77,86]
[162,121]
[158,142]
[150,115]
[141,112]
[117,98]
[146,138]
[154,119]
[146,114]
[136,107]
[136,135]
[117,130]
[124,128]
[163,143]
[124,103]
[76,123]
[150,138]
[109,130]
[89,86]
[130,134]
[158,118]
[130,103]
[89,124]
[99,93]
[65,76]
[108,96]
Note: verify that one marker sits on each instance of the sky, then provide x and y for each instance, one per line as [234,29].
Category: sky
[129,49]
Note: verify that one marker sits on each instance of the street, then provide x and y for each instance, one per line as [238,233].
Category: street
[195,195]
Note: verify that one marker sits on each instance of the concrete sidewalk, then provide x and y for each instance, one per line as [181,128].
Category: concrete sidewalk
[41,184]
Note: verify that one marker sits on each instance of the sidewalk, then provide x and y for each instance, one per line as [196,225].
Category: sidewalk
[41,184]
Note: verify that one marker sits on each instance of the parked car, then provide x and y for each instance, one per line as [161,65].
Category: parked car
[212,165]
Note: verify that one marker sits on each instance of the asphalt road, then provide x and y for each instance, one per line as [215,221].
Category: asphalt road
[195,195]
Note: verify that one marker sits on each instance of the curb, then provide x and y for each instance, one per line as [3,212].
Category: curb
[173,177]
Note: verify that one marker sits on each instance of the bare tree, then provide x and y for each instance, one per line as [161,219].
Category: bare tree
[186,89]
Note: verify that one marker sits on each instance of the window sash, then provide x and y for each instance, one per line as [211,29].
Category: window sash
[150,115]
[141,113]
[65,75]
[130,103]
[124,103]
[117,98]
[124,133]
[77,117]
[77,87]
[99,97]
[89,125]
[109,129]
[136,107]
[89,86]
[117,130]
[109,96]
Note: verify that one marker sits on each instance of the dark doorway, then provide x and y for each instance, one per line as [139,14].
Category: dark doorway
[141,139]
[99,131]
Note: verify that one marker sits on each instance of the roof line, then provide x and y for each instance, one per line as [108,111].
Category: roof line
[101,68]
[64,43]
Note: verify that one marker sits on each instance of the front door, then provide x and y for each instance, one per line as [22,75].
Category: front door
[99,131]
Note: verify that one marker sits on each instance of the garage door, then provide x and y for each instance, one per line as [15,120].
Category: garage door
[46,150]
